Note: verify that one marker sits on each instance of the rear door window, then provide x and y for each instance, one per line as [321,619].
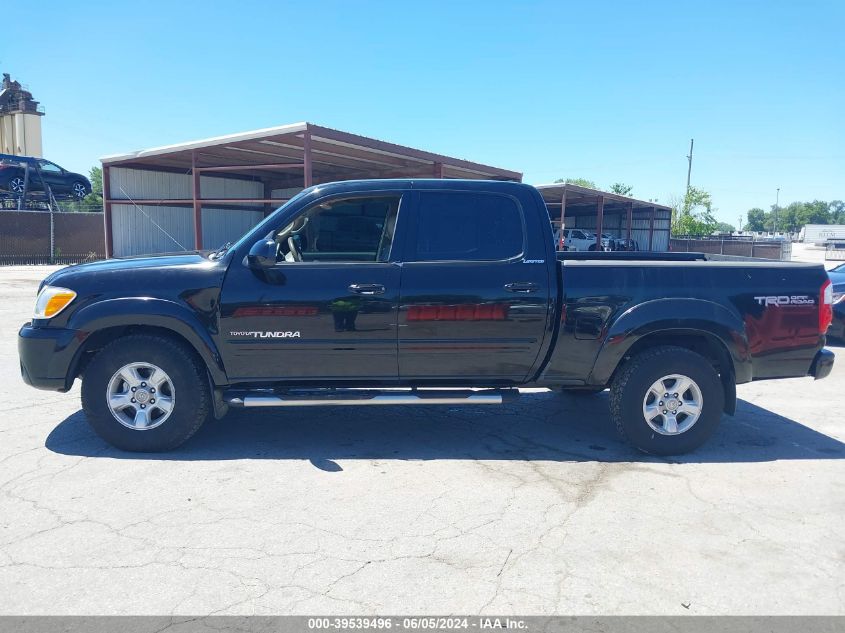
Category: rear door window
[454,226]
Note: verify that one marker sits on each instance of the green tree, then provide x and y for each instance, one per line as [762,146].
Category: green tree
[815,212]
[620,188]
[788,217]
[724,227]
[837,212]
[694,214]
[581,182]
[795,215]
[95,175]
[755,220]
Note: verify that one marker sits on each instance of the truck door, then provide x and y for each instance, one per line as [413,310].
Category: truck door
[472,305]
[327,310]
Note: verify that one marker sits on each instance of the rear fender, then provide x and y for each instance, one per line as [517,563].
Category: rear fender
[674,317]
[149,312]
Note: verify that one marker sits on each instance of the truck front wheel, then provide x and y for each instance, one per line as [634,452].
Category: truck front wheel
[667,400]
[145,393]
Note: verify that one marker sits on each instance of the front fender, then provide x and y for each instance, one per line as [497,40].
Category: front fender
[151,312]
[697,317]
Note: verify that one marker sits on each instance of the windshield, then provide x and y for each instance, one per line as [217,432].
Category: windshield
[264,224]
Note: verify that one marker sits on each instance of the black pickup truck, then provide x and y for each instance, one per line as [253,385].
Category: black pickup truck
[393,292]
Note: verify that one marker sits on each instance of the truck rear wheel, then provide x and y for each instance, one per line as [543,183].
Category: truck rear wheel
[667,400]
[145,393]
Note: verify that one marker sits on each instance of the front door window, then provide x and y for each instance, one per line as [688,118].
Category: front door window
[344,230]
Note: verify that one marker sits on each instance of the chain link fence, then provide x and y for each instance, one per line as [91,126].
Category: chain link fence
[42,237]
[835,251]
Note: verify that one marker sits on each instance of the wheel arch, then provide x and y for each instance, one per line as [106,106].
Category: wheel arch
[703,327]
[104,321]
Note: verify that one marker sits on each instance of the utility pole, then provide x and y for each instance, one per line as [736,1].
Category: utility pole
[739,226]
[689,173]
[689,160]
[777,204]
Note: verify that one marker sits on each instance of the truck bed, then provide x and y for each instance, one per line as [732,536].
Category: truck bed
[763,312]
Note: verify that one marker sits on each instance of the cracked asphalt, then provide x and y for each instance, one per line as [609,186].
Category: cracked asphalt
[532,508]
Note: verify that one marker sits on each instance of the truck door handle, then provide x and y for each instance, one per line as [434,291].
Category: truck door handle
[367,289]
[521,286]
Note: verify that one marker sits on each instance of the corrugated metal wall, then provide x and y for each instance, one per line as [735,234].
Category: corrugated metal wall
[616,225]
[225,225]
[141,184]
[151,185]
[144,229]
[289,192]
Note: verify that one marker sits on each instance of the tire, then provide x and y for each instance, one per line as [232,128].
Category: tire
[593,247]
[125,362]
[15,185]
[631,394]
[78,190]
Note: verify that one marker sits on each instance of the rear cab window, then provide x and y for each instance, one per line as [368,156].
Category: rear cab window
[457,226]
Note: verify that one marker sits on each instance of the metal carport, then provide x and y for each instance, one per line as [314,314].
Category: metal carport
[603,212]
[201,193]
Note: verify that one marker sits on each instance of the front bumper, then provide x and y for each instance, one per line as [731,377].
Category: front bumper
[47,356]
[822,364]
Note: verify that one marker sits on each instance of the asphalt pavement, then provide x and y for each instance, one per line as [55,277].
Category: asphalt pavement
[535,507]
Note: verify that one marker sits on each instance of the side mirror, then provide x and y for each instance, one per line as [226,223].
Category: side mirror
[262,255]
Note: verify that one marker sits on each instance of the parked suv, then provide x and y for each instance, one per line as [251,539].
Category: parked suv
[63,183]
[624,244]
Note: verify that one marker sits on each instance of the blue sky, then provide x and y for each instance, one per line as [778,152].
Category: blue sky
[607,91]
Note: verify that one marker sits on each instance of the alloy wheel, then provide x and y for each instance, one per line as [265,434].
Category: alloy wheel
[140,396]
[672,405]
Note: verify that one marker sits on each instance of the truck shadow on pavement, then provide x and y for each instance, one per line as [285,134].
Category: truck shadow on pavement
[540,426]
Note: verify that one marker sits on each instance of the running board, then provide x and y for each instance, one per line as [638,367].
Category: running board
[362,397]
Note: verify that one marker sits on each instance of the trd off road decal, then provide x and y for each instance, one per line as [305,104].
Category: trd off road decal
[266,334]
[786,300]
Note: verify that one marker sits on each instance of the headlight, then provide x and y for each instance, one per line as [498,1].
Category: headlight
[838,296]
[52,300]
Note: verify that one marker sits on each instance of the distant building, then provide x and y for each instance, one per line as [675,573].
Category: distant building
[20,120]
[821,234]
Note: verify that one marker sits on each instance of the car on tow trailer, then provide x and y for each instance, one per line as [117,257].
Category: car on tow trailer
[42,174]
